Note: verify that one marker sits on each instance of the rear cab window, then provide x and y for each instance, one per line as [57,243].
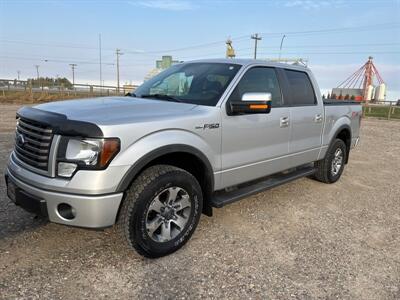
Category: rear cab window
[301,90]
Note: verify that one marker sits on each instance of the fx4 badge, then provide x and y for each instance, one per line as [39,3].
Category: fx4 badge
[208,126]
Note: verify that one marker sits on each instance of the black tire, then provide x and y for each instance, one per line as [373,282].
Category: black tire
[136,207]
[324,167]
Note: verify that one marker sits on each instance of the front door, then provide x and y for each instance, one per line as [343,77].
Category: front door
[253,145]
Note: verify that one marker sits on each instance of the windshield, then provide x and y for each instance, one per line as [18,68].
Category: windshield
[197,83]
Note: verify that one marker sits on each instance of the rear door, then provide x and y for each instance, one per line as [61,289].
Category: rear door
[306,116]
[253,144]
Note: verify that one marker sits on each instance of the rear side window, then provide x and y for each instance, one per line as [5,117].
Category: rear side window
[259,80]
[301,90]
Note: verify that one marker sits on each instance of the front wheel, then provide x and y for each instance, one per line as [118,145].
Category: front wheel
[161,210]
[330,168]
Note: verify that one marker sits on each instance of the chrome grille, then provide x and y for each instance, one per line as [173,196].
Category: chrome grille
[32,143]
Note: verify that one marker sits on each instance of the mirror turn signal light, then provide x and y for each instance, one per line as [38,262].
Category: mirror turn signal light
[258,106]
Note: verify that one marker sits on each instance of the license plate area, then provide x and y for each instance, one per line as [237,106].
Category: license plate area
[26,200]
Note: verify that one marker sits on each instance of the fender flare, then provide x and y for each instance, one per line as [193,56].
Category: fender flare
[347,127]
[154,154]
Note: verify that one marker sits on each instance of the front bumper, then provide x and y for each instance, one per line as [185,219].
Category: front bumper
[92,211]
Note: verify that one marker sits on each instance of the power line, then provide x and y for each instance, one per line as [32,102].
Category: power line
[334,45]
[204,45]
[207,54]
[53,60]
[327,53]
[218,43]
[249,54]
[338,29]
[348,52]
[51,44]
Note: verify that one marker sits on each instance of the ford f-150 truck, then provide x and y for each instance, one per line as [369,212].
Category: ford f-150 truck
[199,135]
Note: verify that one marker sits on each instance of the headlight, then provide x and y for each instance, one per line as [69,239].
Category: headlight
[85,153]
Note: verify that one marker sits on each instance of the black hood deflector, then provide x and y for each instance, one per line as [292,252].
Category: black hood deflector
[60,123]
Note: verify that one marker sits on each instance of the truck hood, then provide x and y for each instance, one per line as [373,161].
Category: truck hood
[116,110]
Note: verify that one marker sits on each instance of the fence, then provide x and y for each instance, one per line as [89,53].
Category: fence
[25,88]
[384,109]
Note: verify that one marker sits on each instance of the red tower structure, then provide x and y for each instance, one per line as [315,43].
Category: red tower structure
[361,80]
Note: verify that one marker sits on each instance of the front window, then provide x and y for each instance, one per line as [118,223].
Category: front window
[259,80]
[197,83]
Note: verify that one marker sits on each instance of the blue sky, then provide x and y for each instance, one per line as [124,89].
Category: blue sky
[336,36]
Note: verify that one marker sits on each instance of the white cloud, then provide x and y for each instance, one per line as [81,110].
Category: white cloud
[174,5]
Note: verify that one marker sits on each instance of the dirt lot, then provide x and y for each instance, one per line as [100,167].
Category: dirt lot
[302,240]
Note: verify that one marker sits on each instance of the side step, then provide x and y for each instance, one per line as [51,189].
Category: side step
[220,199]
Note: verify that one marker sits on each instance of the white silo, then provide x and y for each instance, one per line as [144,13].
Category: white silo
[370,92]
[380,92]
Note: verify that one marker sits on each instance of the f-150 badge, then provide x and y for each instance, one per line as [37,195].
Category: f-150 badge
[208,126]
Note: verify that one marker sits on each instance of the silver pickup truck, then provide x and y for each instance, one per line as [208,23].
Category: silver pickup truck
[199,135]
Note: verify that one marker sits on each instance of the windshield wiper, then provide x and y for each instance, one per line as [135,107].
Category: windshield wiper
[130,94]
[161,97]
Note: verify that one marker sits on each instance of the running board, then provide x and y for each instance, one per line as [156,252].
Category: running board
[220,199]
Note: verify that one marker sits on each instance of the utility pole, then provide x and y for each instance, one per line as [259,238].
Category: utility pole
[73,74]
[280,48]
[256,38]
[118,53]
[37,71]
[19,73]
[101,75]
[37,74]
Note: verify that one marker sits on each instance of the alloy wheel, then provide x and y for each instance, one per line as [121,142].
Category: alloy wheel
[168,214]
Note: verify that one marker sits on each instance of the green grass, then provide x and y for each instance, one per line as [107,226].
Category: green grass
[382,112]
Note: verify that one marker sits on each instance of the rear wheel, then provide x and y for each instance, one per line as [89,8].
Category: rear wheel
[161,210]
[330,168]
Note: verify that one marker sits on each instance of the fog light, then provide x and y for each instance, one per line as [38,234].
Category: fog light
[66,169]
[66,211]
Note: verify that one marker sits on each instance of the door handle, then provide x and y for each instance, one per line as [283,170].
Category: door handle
[284,122]
[318,118]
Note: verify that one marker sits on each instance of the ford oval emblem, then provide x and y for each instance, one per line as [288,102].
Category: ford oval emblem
[20,140]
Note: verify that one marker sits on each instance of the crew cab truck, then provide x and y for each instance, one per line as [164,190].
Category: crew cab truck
[199,135]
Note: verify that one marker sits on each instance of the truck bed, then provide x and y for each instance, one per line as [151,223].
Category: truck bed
[348,111]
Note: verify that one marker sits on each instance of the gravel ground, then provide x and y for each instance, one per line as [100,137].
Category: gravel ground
[302,240]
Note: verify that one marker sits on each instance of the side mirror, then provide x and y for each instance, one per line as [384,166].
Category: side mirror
[252,103]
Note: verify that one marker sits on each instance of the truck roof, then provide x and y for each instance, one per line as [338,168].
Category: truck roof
[246,62]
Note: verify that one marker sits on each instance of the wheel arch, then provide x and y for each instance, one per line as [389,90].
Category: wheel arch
[183,156]
[344,133]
